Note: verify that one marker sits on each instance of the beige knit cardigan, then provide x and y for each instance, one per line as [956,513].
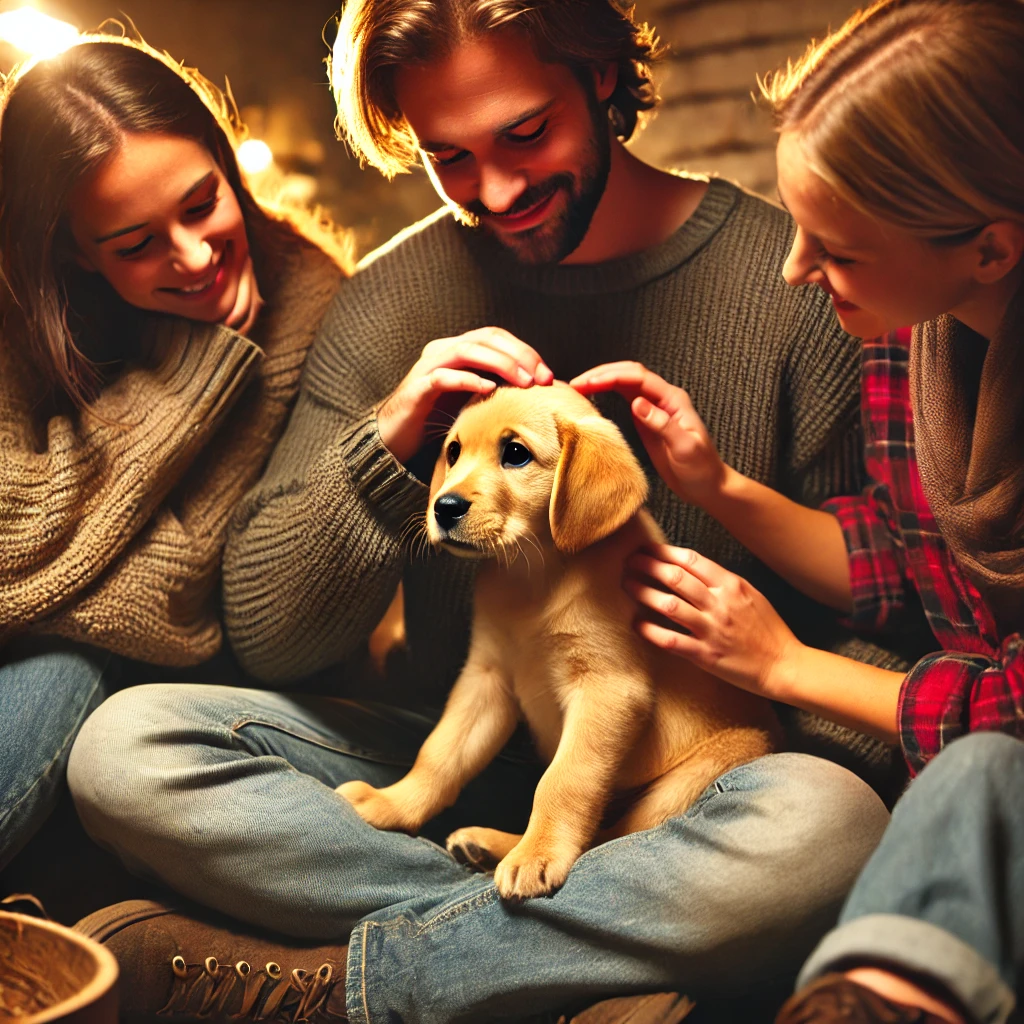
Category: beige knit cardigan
[112,520]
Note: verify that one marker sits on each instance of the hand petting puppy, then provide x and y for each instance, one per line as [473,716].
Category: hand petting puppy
[672,432]
[728,626]
[454,365]
[714,618]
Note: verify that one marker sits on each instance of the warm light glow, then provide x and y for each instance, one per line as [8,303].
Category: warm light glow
[35,33]
[254,155]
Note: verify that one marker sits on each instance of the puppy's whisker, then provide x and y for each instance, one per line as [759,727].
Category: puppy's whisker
[412,531]
[531,537]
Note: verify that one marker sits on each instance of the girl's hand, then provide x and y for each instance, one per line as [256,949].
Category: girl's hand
[248,301]
[673,434]
[449,365]
[729,628]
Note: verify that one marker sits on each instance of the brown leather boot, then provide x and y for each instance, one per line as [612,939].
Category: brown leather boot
[835,999]
[176,966]
[659,1008]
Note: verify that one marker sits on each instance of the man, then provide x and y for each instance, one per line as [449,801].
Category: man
[557,250]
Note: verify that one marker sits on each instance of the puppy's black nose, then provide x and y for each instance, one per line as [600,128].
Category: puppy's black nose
[449,509]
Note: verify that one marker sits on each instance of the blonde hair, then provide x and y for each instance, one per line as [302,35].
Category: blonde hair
[376,37]
[913,112]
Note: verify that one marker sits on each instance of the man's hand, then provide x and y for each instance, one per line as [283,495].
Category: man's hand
[729,628]
[450,365]
[673,434]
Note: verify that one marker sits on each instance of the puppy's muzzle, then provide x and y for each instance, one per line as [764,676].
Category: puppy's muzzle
[449,509]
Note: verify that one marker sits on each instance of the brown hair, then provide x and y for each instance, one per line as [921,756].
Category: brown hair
[375,37]
[61,117]
[913,112]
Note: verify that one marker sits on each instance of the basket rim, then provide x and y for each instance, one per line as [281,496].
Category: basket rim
[103,980]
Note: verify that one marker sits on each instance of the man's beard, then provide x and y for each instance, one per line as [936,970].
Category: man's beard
[561,233]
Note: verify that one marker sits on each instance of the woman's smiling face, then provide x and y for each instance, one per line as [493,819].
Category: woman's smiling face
[880,276]
[159,220]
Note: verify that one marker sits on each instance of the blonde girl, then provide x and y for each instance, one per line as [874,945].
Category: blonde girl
[901,160]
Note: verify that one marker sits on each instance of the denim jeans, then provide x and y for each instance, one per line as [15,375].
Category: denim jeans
[46,691]
[228,796]
[943,896]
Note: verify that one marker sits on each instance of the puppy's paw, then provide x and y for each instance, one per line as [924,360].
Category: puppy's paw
[480,848]
[533,870]
[377,807]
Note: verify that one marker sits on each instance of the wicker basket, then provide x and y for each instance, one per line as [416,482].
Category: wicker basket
[50,973]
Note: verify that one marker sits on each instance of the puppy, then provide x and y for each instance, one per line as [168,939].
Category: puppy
[537,482]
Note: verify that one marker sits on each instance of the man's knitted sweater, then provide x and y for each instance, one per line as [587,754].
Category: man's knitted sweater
[316,550]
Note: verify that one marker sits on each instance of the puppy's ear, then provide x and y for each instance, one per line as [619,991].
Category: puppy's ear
[598,484]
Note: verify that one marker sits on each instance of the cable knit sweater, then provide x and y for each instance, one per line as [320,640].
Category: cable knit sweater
[318,547]
[112,521]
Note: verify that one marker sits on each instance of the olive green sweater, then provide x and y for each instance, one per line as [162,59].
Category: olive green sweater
[316,550]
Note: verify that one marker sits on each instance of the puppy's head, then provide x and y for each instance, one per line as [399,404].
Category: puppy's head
[529,466]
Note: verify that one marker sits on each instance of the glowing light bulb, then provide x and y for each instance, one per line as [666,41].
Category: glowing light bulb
[35,33]
[254,155]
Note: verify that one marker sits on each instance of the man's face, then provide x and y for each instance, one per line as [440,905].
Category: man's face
[518,146]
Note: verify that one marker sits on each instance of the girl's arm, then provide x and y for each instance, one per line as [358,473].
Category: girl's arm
[803,545]
[67,509]
[716,619]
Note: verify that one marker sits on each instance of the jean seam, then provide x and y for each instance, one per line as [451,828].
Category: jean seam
[362,971]
[364,755]
[481,899]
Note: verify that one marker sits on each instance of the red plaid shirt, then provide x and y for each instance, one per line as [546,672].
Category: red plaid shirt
[977,680]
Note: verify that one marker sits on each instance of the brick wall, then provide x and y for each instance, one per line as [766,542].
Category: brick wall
[707,120]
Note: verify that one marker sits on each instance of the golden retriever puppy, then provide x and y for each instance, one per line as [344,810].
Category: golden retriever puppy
[546,489]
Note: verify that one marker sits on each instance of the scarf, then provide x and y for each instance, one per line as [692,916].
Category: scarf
[968,403]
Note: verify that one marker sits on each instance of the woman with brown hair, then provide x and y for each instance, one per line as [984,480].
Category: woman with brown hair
[155,321]
[901,159]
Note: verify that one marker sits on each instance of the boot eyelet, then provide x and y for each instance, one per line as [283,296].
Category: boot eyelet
[242,969]
[211,965]
[273,970]
[179,967]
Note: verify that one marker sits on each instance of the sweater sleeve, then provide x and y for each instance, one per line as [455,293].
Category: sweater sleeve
[949,694]
[67,510]
[316,549]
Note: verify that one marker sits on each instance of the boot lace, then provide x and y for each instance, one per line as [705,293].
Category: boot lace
[268,994]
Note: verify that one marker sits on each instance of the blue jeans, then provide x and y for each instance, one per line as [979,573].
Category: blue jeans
[46,691]
[228,796]
[943,896]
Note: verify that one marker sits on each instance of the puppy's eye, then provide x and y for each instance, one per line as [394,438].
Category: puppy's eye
[453,453]
[515,455]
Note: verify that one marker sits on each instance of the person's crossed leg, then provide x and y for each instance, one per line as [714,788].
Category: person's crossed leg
[227,796]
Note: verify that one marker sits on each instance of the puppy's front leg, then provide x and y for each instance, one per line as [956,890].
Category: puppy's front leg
[479,718]
[604,713]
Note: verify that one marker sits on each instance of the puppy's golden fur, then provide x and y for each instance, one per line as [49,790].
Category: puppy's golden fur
[619,721]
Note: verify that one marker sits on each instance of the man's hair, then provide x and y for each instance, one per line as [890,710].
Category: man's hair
[377,37]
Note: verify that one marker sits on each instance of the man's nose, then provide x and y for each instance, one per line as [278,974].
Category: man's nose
[500,187]
[191,253]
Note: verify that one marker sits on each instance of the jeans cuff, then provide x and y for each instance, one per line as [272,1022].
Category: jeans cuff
[921,948]
[357,999]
